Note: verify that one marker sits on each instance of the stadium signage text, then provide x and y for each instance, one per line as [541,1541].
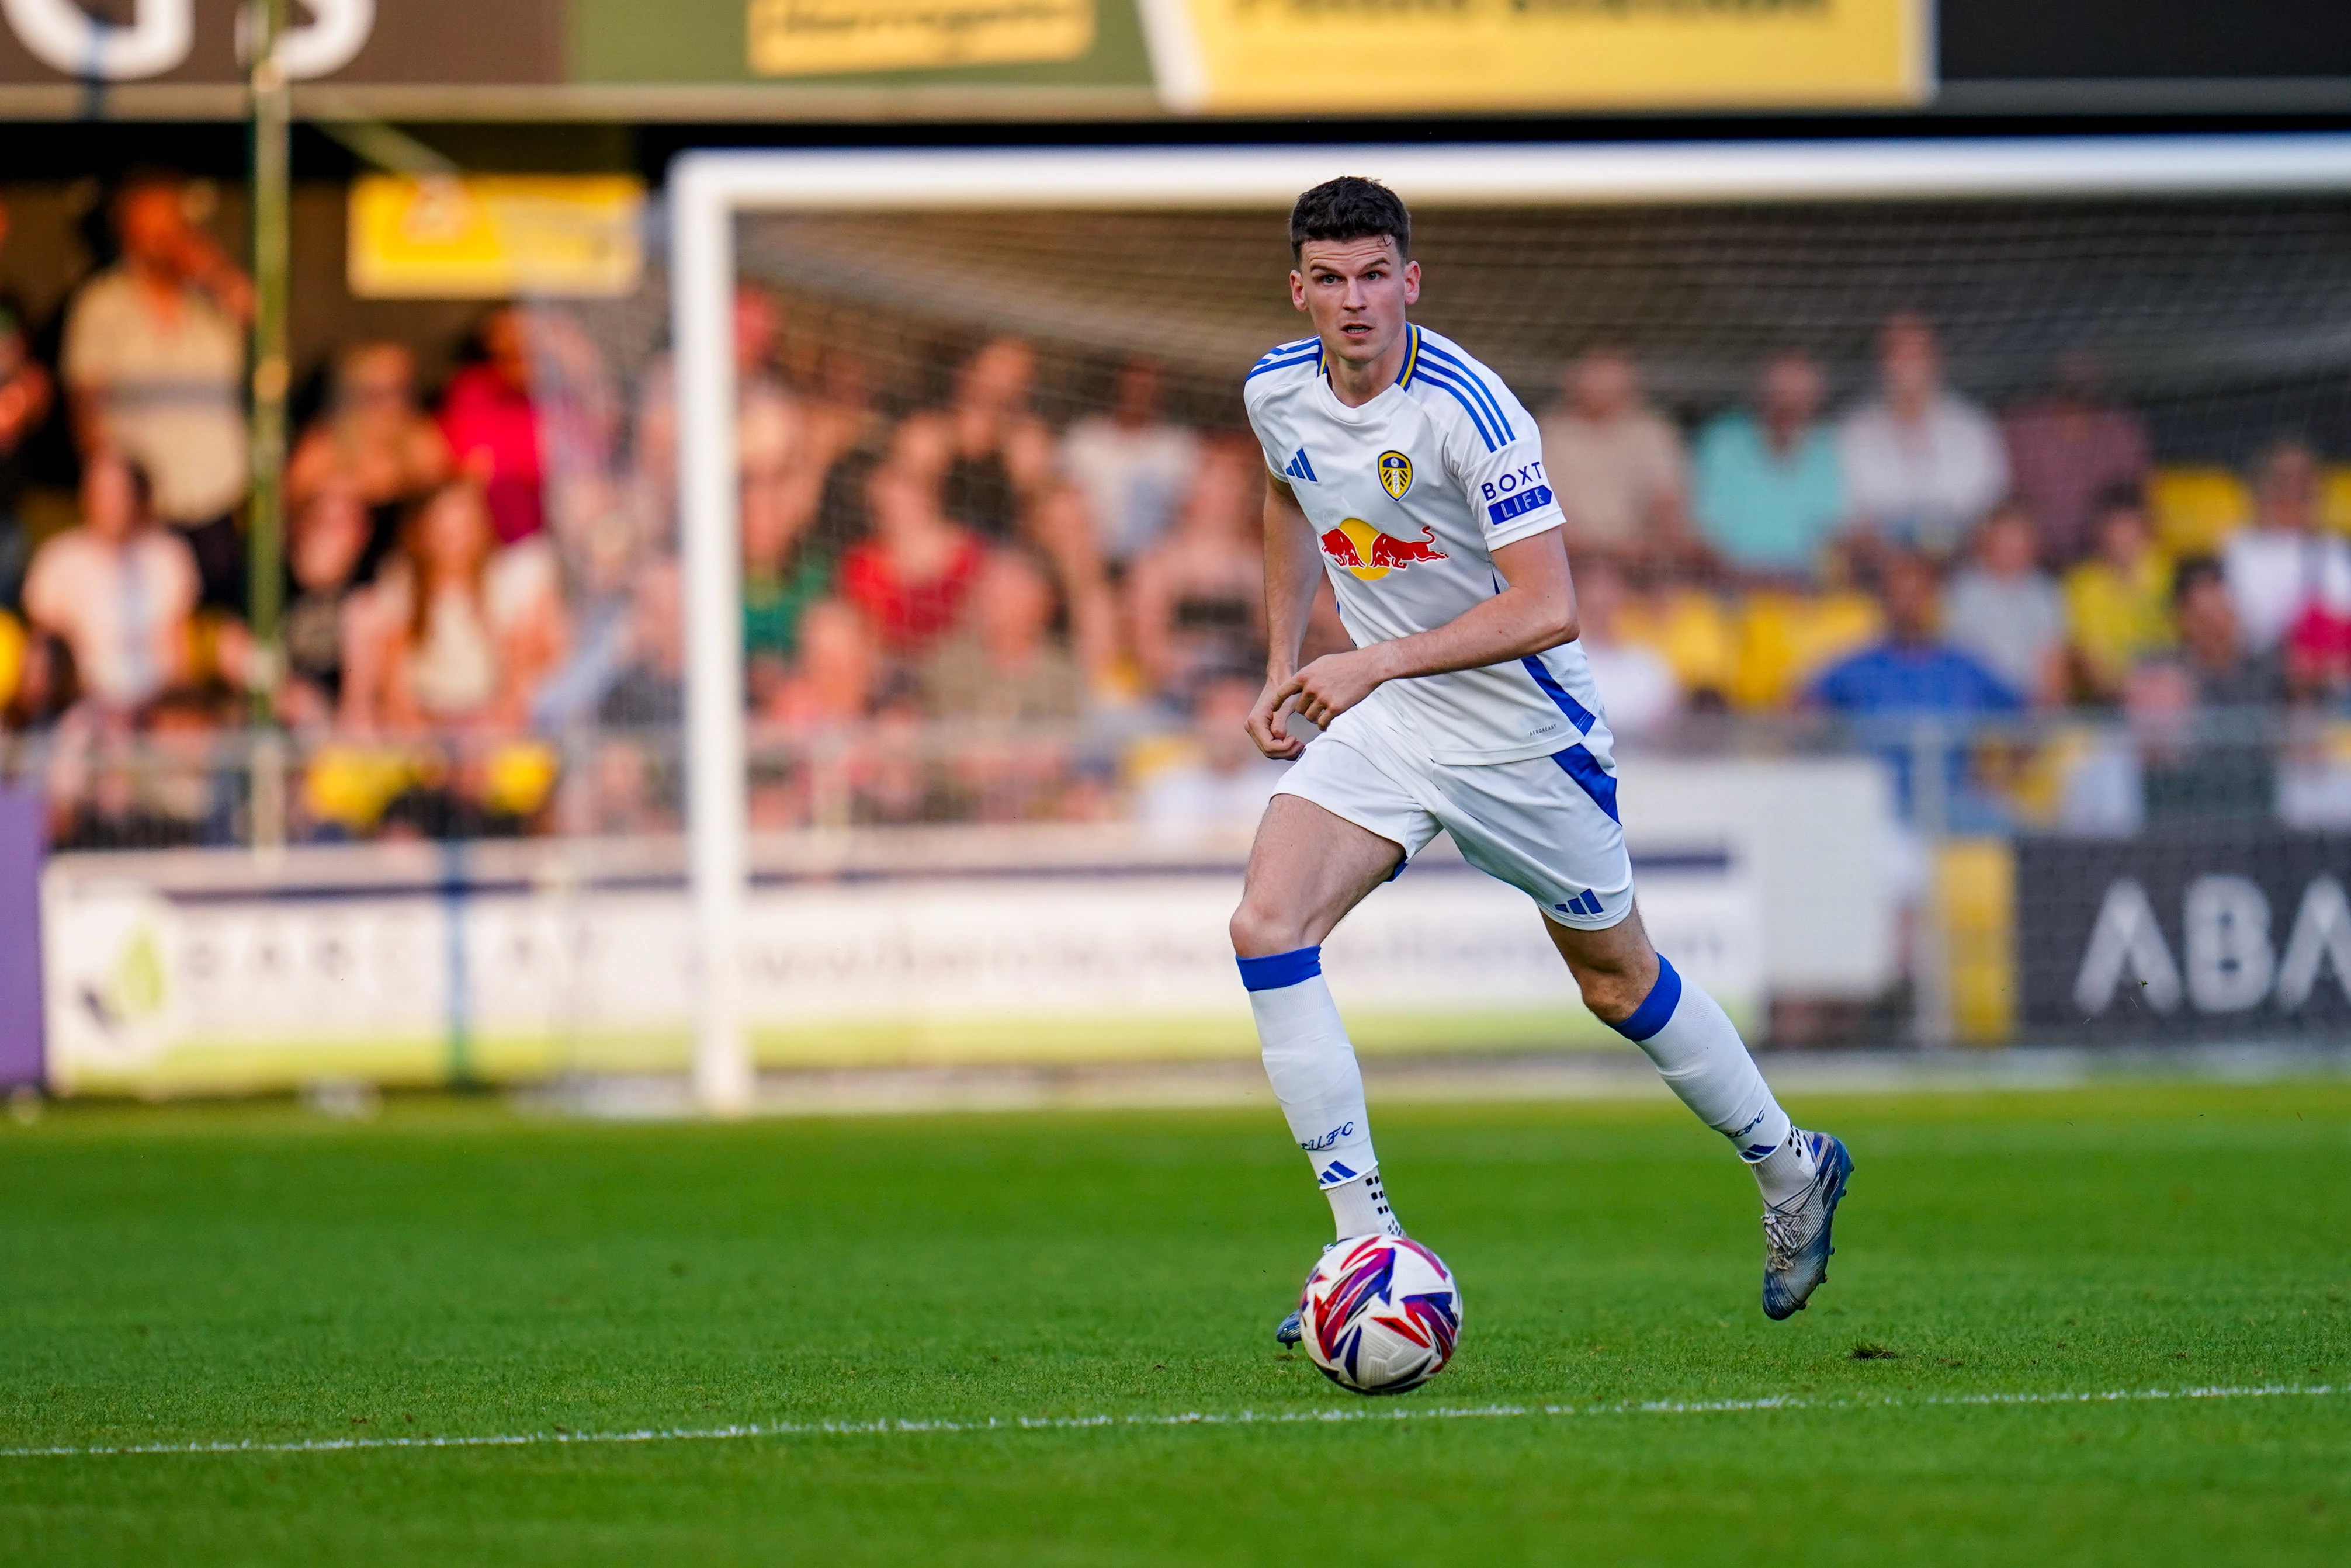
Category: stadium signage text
[2173,939]
[1407,54]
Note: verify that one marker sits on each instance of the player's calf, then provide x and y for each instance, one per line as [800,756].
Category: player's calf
[1697,1050]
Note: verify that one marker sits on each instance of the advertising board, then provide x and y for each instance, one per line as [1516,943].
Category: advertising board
[2243,933]
[718,59]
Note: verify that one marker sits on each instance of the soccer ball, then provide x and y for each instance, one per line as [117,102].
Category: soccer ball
[1381,1315]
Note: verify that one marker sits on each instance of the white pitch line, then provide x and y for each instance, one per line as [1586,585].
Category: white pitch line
[1186,1418]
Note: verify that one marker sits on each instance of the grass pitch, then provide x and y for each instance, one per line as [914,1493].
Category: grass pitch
[258,1274]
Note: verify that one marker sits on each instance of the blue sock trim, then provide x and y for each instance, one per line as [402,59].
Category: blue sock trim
[1657,1008]
[1279,970]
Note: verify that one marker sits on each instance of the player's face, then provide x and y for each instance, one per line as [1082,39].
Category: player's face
[1355,291]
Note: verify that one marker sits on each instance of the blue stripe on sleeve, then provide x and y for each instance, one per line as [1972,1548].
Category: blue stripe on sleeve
[1280,969]
[1485,394]
[1437,378]
[1657,1008]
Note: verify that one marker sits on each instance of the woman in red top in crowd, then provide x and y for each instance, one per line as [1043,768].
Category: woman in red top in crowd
[911,575]
[492,427]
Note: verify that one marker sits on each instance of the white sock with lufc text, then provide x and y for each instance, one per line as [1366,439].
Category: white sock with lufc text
[1699,1053]
[1311,1066]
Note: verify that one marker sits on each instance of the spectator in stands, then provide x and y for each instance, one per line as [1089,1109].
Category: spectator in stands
[45,688]
[1002,666]
[2002,609]
[846,437]
[1921,464]
[2215,651]
[143,782]
[2067,449]
[1616,465]
[832,683]
[780,471]
[1912,674]
[649,687]
[2118,602]
[1195,601]
[1132,464]
[331,534]
[2177,765]
[119,590]
[1225,784]
[1768,492]
[492,425]
[456,632]
[2197,752]
[25,393]
[918,567]
[1000,456]
[911,577]
[154,368]
[2284,566]
[373,443]
[839,411]
[784,570]
[1637,687]
[1003,669]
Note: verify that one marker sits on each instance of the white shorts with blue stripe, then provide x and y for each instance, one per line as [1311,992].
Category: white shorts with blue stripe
[1547,825]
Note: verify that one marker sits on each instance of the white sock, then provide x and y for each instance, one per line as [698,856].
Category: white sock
[1360,1208]
[1699,1053]
[1312,1065]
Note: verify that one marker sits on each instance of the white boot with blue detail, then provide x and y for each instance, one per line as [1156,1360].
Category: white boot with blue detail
[1697,1052]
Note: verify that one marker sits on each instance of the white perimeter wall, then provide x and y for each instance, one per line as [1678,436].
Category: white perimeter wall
[186,971]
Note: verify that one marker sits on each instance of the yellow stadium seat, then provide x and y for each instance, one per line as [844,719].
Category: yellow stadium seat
[519,777]
[1786,639]
[1691,632]
[2335,498]
[2194,509]
[11,656]
[352,784]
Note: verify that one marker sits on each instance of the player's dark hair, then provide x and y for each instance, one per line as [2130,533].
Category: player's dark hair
[1350,207]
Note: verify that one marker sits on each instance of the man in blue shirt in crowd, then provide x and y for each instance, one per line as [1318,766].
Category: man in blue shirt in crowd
[1912,674]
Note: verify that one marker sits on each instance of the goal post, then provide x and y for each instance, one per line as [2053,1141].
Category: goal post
[708,192]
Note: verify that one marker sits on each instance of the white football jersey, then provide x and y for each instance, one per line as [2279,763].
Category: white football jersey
[1410,495]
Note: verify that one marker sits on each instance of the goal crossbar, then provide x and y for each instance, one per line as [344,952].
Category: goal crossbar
[709,190]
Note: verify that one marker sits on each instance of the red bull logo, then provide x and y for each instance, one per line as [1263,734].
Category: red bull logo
[1370,555]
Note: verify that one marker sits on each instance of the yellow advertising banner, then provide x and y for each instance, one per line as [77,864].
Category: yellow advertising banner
[454,236]
[1381,55]
[810,37]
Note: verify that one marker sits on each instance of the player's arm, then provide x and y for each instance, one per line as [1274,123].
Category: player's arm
[1294,574]
[1534,610]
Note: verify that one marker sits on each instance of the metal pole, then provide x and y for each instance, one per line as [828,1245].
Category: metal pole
[265,535]
[702,291]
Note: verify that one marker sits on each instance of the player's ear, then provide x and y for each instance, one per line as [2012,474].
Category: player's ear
[1297,289]
[1412,283]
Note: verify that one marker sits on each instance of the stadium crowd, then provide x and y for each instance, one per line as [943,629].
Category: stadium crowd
[954,609]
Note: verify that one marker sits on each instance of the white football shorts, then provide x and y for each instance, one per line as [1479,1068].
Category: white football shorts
[1547,825]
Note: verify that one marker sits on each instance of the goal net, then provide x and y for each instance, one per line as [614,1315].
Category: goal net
[1044,351]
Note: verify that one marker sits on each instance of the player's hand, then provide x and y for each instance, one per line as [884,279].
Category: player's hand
[1331,685]
[1265,727]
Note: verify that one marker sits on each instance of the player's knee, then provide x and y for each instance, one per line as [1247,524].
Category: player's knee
[1614,994]
[1260,933]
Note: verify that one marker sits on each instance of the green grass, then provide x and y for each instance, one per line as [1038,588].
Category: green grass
[196,1274]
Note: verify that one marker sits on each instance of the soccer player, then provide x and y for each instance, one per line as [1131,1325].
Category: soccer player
[1406,472]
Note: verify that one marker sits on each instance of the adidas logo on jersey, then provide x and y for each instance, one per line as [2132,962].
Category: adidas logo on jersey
[1301,469]
[1586,903]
